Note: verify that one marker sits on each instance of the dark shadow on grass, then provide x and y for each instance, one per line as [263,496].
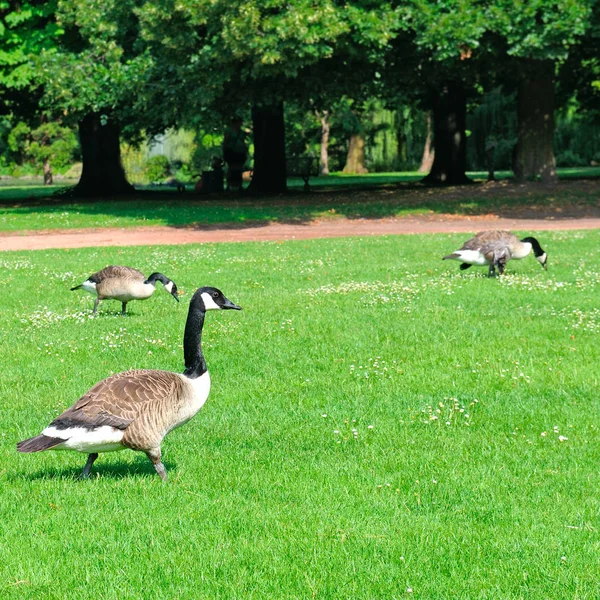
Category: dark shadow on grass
[142,467]
[569,199]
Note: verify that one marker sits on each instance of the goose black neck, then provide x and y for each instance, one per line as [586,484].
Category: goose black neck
[195,365]
[157,277]
[535,245]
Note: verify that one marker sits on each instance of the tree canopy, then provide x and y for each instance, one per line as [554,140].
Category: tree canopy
[153,64]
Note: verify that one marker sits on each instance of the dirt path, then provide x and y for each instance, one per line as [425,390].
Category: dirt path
[341,227]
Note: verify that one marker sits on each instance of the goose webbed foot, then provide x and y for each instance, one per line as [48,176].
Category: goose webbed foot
[88,465]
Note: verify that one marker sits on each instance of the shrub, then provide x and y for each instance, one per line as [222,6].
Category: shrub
[157,168]
[568,158]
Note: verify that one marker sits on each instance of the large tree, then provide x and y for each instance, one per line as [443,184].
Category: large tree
[467,45]
[533,38]
[225,56]
[92,78]
[445,73]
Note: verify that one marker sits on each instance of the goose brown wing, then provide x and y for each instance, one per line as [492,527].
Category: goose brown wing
[118,271]
[488,241]
[118,400]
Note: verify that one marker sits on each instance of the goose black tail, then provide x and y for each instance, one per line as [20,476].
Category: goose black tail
[38,443]
[450,256]
[77,287]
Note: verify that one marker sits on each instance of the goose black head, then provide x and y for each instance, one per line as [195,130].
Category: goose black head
[172,289]
[540,255]
[213,299]
[169,285]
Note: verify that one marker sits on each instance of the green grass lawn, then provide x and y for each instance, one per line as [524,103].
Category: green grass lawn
[380,426]
[374,196]
[378,423]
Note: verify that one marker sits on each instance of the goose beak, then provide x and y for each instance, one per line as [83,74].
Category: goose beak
[228,304]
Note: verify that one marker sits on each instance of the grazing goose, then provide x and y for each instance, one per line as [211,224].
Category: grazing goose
[137,408]
[124,284]
[496,248]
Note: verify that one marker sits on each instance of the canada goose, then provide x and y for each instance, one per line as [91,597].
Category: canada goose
[496,248]
[124,284]
[137,408]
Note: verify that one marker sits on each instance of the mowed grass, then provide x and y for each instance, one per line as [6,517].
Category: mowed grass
[380,426]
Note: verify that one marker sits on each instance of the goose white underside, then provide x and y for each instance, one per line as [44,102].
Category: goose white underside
[100,439]
[471,257]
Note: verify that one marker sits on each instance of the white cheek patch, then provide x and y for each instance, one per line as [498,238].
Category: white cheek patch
[169,287]
[89,286]
[542,259]
[209,303]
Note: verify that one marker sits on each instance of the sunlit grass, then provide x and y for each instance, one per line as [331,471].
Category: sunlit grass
[380,426]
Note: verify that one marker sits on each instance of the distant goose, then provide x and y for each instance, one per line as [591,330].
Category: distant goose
[124,284]
[136,409]
[496,248]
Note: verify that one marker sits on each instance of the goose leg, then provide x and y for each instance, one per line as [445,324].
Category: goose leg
[96,302]
[501,265]
[123,311]
[88,465]
[492,270]
[155,456]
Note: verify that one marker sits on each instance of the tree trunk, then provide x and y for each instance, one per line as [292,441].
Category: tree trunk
[534,152]
[270,173]
[102,173]
[47,173]
[428,151]
[323,117]
[355,161]
[449,137]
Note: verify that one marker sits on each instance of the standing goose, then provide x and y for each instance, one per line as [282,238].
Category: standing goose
[495,248]
[124,284]
[136,409]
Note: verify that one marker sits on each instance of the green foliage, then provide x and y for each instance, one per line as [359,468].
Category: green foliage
[377,428]
[225,56]
[539,29]
[48,142]
[26,29]
[157,168]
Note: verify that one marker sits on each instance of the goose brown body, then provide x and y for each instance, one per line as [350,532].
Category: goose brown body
[144,404]
[137,409]
[495,248]
[122,283]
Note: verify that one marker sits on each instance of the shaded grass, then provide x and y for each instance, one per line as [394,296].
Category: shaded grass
[265,498]
[392,199]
